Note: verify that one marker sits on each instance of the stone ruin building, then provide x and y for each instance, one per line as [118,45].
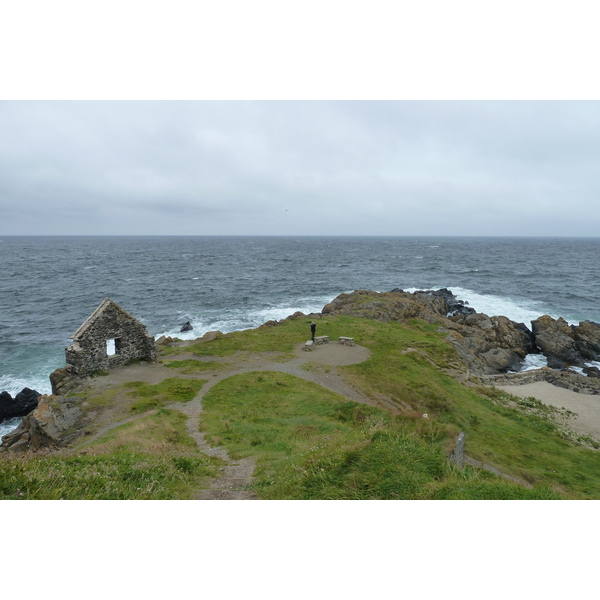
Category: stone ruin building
[108,338]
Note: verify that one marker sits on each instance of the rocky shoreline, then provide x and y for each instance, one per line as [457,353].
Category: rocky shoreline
[492,350]
[488,345]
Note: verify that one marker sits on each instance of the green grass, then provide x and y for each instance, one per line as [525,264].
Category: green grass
[161,431]
[269,339]
[151,458]
[524,445]
[166,392]
[95,400]
[98,373]
[313,444]
[310,443]
[407,368]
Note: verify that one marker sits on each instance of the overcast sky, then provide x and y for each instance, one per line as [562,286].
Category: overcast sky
[300,168]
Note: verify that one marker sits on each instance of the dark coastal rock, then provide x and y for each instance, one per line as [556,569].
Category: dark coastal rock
[54,422]
[515,336]
[530,345]
[592,372]
[270,323]
[63,381]
[555,363]
[481,355]
[567,345]
[186,327]
[19,406]
[297,315]
[5,400]
[587,339]
[491,344]
[455,307]
[479,320]
[556,339]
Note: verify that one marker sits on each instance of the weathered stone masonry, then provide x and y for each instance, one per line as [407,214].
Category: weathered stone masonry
[110,337]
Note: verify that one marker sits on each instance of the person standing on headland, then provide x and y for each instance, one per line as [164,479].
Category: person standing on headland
[313,330]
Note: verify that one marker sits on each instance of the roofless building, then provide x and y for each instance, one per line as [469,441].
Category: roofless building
[108,338]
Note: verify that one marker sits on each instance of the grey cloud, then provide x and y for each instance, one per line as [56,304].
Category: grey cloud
[390,168]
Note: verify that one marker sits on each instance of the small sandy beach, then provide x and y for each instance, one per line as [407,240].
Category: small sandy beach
[585,406]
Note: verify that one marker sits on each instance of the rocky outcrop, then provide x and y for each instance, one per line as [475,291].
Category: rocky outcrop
[593,372]
[170,341]
[454,306]
[490,344]
[19,406]
[62,381]
[55,422]
[587,339]
[388,306]
[187,326]
[567,345]
[555,339]
[297,315]
[269,323]
[486,344]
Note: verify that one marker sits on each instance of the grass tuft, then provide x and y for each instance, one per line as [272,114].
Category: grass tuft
[166,392]
[152,458]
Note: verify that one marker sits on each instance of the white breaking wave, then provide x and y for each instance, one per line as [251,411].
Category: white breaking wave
[8,426]
[38,382]
[593,363]
[534,361]
[520,311]
[240,319]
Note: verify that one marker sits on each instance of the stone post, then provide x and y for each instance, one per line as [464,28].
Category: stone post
[458,454]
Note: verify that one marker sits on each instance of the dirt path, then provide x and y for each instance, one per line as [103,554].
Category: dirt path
[318,366]
[236,476]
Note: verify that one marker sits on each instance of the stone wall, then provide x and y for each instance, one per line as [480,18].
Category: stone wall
[108,329]
[564,379]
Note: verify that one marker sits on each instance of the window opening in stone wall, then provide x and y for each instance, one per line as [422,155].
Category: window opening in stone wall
[111,348]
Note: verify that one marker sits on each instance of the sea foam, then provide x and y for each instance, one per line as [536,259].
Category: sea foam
[230,320]
[8,426]
[520,311]
[40,382]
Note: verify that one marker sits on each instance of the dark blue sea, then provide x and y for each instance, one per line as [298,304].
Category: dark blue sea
[50,285]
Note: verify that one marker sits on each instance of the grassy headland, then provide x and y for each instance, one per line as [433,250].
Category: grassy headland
[406,370]
[310,442]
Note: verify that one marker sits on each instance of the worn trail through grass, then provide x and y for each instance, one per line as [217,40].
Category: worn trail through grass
[236,476]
